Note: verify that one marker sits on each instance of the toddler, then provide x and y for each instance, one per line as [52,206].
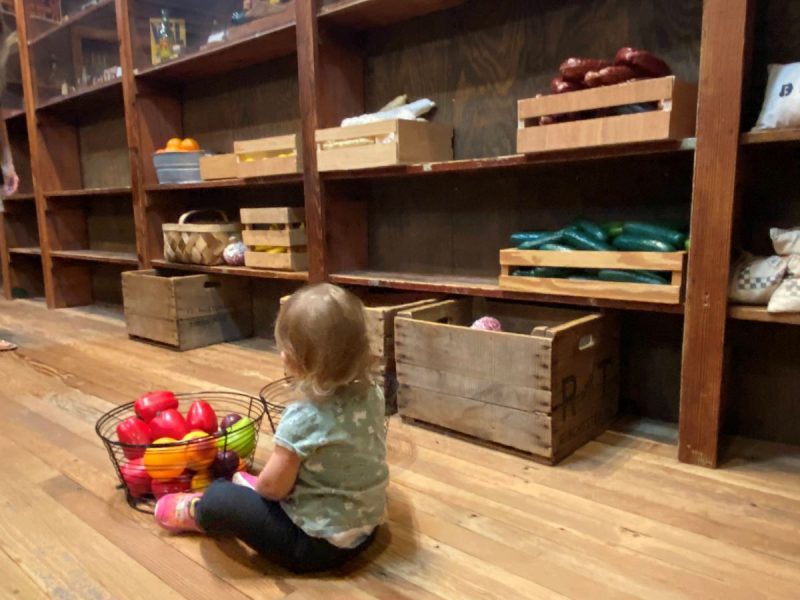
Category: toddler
[322,493]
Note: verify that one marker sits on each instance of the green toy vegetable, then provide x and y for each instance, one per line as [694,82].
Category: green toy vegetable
[593,229]
[556,247]
[526,236]
[630,242]
[613,228]
[553,237]
[631,276]
[582,241]
[672,237]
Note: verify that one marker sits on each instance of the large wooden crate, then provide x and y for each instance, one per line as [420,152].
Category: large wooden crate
[186,311]
[383,144]
[546,385]
[673,117]
[380,310]
[673,263]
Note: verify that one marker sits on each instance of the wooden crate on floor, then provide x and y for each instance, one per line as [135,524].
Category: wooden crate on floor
[266,157]
[280,229]
[187,311]
[673,263]
[546,385]
[672,117]
[380,310]
[383,144]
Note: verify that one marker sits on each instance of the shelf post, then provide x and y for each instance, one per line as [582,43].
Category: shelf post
[723,62]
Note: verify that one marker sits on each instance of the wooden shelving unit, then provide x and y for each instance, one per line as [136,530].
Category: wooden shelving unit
[430,227]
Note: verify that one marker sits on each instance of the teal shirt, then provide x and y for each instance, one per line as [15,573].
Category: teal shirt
[341,485]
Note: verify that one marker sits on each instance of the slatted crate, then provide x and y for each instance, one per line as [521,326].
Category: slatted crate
[266,157]
[546,385]
[672,117]
[673,263]
[277,228]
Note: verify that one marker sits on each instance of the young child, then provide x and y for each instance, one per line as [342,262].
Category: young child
[322,493]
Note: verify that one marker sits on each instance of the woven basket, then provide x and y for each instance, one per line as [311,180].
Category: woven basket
[199,243]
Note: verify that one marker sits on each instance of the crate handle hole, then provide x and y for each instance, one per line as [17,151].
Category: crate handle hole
[586,342]
[211,284]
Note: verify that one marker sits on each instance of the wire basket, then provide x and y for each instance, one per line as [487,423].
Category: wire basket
[279,394]
[148,471]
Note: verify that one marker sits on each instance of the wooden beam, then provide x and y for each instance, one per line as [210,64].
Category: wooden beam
[723,60]
[331,88]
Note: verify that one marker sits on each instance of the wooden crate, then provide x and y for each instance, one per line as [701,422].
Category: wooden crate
[267,157]
[218,166]
[386,143]
[674,119]
[258,222]
[546,385]
[380,309]
[672,262]
[187,311]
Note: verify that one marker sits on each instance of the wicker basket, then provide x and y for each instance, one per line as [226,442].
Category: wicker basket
[199,243]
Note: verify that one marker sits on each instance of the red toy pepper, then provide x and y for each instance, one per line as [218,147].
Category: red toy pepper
[152,403]
[201,417]
[134,431]
[168,424]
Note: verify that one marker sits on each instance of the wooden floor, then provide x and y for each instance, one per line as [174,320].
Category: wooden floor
[621,519]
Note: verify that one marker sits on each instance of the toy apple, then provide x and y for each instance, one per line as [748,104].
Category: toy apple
[201,417]
[164,461]
[133,431]
[225,464]
[239,437]
[182,483]
[168,423]
[152,403]
[136,478]
[229,420]
[200,453]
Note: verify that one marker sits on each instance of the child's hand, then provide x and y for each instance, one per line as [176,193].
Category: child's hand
[244,479]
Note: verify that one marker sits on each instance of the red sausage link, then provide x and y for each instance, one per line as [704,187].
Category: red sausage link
[642,61]
[616,74]
[575,69]
[559,86]
[593,79]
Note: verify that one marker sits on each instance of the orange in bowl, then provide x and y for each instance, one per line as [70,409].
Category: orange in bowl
[190,145]
[174,144]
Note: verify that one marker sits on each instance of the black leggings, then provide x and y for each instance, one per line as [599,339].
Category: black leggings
[229,509]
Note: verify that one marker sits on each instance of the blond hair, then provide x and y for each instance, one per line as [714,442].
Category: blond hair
[322,331]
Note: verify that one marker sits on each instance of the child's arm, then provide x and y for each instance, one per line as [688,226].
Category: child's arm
[279,475]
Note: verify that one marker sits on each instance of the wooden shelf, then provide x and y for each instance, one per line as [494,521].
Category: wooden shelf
[481,286]
[32,251]
[259,47]
[225,184]
[27,197]
[771,136]
[87,192]
[81,17]
[369,14]
[13,114]
[760,314]
[98,256]
[84,101]
[237,271]
[516,161]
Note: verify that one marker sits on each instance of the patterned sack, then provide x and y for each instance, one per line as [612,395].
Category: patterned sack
[755,278]
[785,241]
[787,297]
[781,106]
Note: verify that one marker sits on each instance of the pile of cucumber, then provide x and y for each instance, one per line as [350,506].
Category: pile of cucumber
[584,234]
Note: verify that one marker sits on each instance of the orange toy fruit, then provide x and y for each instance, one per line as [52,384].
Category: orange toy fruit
[190,145]
[165,462]
[174,144]
[201,481]
[200,453]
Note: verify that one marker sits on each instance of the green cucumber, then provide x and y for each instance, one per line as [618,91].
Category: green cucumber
[632,276]
[526,236]
[613,228]
[584,277]
[582,241]
[546,272]
[655,232]
[556,247]
[688,244]
[593,229]
[554,237]
[635,243]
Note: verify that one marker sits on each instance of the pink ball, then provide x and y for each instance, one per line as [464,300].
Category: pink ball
[487,324]
[234,254]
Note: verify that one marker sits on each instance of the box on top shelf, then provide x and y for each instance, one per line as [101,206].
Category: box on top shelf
[275,238]
[382,144]
[546,384]
[649,110]
[265,157]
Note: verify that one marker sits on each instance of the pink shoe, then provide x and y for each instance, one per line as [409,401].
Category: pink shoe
[175,512]
[244,479]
